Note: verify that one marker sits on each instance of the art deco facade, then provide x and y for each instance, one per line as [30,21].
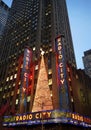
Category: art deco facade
[33,58]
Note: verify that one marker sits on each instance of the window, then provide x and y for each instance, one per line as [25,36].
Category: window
[15,76]
[28,99]
[7,79]
[7,94]
[76,76]
[3,96]
[11,77]
[17,101]
[36,67]
[5,87]
[34,48]
[72,99]
[12,93]
[9,86]
[13,84]
[18,91]
[0,89]
[50,71]
[50,81]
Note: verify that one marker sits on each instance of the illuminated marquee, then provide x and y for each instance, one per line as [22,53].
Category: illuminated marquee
[33,116]
[46,117]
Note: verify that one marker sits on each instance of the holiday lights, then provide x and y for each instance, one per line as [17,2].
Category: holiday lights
[42,100]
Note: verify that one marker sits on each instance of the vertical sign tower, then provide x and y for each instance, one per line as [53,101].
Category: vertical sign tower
[61,74]
[25,79]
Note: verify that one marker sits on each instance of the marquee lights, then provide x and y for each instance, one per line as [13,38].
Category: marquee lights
[50,116]
[33,116]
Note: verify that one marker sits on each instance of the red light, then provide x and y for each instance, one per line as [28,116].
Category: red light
[31,76]
[29,88]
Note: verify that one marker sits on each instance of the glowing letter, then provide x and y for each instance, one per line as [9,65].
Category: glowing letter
[17,118]
[37,116]
[61,65]
[24,117]
[49,114]
[62,75]
[60,57]
[30,116]
[59,48]
[62,81]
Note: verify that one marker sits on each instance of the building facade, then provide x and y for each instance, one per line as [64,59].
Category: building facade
[79,88]
[33,58]
[4,10]
[87,62]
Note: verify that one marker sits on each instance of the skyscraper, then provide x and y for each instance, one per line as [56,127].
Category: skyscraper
[4,10]
[35,24]
[35,50]
[43,22]
[87,62]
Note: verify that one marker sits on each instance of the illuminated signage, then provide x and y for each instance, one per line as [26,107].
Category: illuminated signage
[61,74]
[26,67]
[25,77]
[33,116]
[60,61]
[46,117]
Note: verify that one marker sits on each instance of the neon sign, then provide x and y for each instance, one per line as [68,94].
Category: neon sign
[26,67]
[60,61]
[25,78]
[33,116]
[61,73]
[46,117]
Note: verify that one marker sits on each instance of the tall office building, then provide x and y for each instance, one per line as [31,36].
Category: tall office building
[33,58]
[40,23]
[4,10]
[87,62]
